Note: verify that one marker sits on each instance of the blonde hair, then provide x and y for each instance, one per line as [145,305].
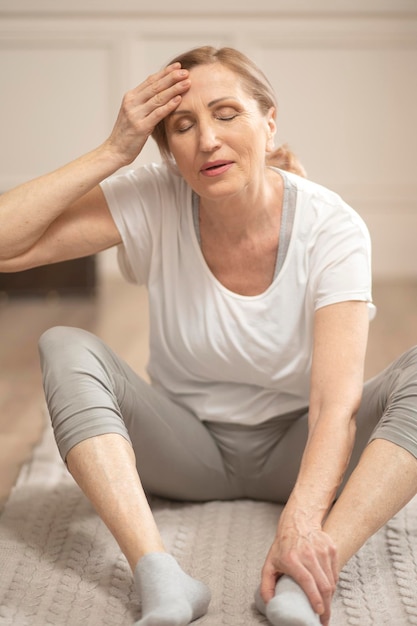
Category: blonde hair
[256,85]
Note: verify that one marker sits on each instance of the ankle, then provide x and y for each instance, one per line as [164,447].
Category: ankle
[135,558]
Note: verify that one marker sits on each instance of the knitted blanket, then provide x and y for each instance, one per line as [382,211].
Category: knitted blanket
[59,565]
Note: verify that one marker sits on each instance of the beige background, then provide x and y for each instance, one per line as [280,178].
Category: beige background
[345,73]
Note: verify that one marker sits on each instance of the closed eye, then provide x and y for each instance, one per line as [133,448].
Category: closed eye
[225,113]
[222,114]
[227,118]
[222,118]
[183,129]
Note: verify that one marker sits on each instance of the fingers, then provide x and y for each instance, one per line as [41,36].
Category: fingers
[319,591]
[268,583]
[161,93]
[318,588]
[143,108]
[317,579]
[311,561]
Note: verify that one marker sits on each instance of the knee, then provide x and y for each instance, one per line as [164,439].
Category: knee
[56,338]
[53,336]
[62,344]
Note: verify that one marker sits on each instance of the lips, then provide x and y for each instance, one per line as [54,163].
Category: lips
[215,168]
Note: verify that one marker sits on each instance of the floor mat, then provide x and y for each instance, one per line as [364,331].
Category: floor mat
[59,565]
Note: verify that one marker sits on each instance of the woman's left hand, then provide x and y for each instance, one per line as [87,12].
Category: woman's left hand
[308,555]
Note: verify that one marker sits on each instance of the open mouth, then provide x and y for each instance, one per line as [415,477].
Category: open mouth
[216,167]
[213,167]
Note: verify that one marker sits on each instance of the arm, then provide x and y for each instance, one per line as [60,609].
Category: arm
[64,214]
[301,549]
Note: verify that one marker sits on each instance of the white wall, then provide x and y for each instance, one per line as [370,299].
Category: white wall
[345,73]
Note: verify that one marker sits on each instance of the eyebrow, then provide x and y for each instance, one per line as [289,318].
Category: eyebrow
[210,104]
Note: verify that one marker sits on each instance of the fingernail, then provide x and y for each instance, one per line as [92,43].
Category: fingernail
[183,72]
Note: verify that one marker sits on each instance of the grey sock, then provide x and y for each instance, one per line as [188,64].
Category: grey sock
[169,596]
[289,607]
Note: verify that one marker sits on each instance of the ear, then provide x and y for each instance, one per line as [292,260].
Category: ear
[271,129]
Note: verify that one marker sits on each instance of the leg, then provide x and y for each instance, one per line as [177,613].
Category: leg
[384,480]
[88,390]
[381,478]
[375,493]
[104,468]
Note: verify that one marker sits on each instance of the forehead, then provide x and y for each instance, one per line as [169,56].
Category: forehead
[215,79]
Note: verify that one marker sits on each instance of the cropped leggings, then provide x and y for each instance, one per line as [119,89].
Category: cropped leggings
[90,391]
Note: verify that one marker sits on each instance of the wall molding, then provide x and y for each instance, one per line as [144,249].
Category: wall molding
[286,32]
[386,8]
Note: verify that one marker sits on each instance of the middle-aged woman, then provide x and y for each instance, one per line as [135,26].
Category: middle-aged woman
[259,292]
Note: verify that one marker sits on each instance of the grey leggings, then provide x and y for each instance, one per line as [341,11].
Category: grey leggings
[90,391]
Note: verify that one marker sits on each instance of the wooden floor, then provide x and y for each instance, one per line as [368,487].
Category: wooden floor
[119,315]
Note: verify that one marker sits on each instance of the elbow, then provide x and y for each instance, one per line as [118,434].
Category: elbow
[9,254]
[329,413]
[15,263]
[7,264]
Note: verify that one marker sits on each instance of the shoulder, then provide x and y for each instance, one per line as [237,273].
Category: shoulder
[146,181]
[320,207]
[310,191]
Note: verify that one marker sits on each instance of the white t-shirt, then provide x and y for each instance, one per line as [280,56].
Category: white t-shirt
[224,356]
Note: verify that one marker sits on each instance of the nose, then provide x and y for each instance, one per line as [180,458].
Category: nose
[208,137]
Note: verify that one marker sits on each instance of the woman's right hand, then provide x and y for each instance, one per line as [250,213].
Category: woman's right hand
[143,108]
[64,214]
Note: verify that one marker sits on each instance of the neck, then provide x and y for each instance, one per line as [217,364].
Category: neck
[237,218]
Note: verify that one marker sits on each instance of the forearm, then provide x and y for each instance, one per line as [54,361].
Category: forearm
[28,210]
[340,335]
[301,548]
[323,465]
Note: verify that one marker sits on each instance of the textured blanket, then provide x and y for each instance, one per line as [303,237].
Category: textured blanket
[59,565]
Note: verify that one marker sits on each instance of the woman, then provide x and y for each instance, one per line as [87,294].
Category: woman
[259,291]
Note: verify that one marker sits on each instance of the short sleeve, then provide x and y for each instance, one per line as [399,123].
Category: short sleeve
[137,200]
[340,256]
